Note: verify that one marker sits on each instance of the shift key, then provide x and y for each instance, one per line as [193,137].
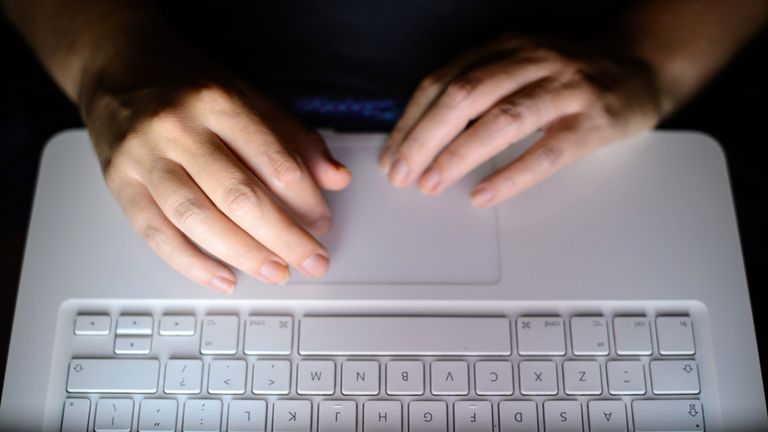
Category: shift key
[113,376]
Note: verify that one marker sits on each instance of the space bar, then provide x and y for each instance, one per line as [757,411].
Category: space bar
[404,336]
[113,376]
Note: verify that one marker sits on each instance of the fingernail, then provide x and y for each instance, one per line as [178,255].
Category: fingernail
[398,175]
[482,197]
[384,159]
[223,284]
[339,166]
[274,272]
[321,225]
[430,181]
[315,265]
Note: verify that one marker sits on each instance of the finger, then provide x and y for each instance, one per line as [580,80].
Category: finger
[189,209]
[510,120]
[245,201]
[431,86]
[168,242]
[258,146]
[463,100]
[563,143]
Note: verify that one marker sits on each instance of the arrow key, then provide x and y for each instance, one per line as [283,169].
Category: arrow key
[607,415]
[133,344]
[226,377]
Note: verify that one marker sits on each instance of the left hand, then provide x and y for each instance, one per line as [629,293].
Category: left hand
[467,112]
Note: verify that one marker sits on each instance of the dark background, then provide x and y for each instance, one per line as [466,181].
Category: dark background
[732,109]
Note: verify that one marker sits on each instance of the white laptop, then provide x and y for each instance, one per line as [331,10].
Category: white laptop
[612,297]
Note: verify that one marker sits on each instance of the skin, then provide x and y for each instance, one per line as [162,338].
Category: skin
[215,176]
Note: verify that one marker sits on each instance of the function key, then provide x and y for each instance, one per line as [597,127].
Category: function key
[92,325]
[589,336]
[633,335]
[272,335]
[177,325]
[134,325]
[540,336]
[219,334]
[675,335]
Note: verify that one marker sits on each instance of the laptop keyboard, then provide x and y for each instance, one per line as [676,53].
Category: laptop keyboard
[218,370]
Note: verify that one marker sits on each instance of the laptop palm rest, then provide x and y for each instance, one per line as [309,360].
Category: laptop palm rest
[385,235]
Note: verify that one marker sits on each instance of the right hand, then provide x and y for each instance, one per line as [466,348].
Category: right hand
[204,167]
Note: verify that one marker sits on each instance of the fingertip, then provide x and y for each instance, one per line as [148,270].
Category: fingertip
[224,284]
[482,196]
[335,177]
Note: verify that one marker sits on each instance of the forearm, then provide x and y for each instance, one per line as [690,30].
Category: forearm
[686,42]
[76,38]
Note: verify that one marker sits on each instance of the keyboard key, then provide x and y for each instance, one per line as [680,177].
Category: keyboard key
[291,416]
[157,415]
[113,376]
[518,416]
[589,336]
[405,377]
[219,335]
[607,416]
[449,377]
[625,377]
[360,377]
[382,416]
[540,336]
[133,345]
[114,415]
[674,377]
[202,415]
[427,416]
[183,376]
[582,378]
[271,377]
[272,335]
[562,416]
[633,335]
[247,416]
[316,377]
[538,378]
[472,416]
[675,335]
[493,378]
[92,325]
[668,415]
[75,417]
[404,336]
[134,325]
[177,325]
[226,377]
[337,416]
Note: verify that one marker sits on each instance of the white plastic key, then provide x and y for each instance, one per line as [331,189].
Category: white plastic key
[291,416]
[113,376]
[337,416]
[360,377]
[405,377]
[674,377]
[92,325]
[607,416]
[316,377]
[494,377]
[668,415]
[540,336]
[582,377]
[632,335]
[202,415]
[271,377]
[589,336]
[538,378]
[76,413]
[625,377]
[114,415]
[518,416]
[562,416]
[449,377]
[675,335]
[382,416]
[183,376]
[157,415]
[177,325]
[134,325]
[133,345]
[427,416]
[226,377]
[247,416]
[271,335]
[219,335]
[472,416]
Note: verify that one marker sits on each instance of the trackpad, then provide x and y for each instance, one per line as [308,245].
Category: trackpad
[384,235]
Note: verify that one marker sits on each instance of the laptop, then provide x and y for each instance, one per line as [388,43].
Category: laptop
[611,297]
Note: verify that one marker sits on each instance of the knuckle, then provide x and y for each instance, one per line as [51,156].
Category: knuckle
[283,170]
[241,197]
[460,89]
[153,236]
[511,112]
[431,82]
[188,211]
[550,156]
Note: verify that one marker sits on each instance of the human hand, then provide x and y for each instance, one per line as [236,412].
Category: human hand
[465,113]
[211,173]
